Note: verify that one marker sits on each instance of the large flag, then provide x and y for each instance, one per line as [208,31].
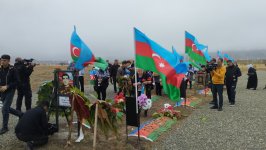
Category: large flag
[192,50]
[219,54]
[227,57]
[82,55]
[153,57]
[204,50]
[179,58]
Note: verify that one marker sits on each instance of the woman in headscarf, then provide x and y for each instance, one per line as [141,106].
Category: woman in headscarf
[252,78]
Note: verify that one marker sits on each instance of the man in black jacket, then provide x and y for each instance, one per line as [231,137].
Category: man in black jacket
[33,128]
[23,72]
[231,77]
[113,73]
[8,82]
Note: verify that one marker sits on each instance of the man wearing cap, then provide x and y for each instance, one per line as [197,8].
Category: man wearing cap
[231,75]
[7,88]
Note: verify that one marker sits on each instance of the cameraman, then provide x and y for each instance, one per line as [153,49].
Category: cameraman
[218,75]
[23,68]
[210,67]
[33,128]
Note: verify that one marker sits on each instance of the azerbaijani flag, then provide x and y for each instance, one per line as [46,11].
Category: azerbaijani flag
[82,55]
[204,50]
[192,50]
[219,54]
[153,57]
[179,58]
[227,57]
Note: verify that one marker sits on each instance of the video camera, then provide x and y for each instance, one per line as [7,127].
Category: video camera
[29,62]
[211,67]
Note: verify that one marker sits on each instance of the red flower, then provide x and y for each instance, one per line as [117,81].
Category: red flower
[119,97]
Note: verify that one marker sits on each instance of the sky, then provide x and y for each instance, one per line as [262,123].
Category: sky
[41,29]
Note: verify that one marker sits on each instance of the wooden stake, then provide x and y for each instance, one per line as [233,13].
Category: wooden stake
[70,124]
[95,126]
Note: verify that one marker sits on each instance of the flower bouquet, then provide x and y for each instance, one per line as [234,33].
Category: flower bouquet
[167,111]
[144,102]
[120,102]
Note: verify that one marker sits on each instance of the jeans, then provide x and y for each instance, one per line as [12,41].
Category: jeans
[24,91]
[218,88]
[7,98]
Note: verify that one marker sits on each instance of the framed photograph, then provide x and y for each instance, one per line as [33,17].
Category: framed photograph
[65,81]
[64,101]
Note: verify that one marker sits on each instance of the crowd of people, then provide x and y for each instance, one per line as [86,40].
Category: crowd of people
[33,126]
[216,76]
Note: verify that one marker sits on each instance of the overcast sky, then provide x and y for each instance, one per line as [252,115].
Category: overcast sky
[41,29]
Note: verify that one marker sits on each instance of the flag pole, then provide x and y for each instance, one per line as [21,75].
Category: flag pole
[183,79]
[136,89]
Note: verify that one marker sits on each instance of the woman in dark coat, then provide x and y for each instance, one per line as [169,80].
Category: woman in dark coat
[101,83]
[252,78]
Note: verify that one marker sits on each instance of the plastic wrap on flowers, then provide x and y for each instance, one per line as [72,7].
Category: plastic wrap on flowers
[144,102]
[167,111]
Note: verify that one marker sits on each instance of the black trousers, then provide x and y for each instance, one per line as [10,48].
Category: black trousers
[36,140]
[218,88]
[231,92]
[183,87]
[190,83]
[81,83]
[114,82]
[158,88]
[24,91]
[101,92]
[148,92]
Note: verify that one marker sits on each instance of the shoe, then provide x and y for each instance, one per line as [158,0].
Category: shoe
[214,107]
[29,146]
[220,109]
[232,105]
[3,131]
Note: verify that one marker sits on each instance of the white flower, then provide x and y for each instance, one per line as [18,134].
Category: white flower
[148,104]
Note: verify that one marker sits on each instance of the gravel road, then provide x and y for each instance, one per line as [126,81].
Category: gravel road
[240,127]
